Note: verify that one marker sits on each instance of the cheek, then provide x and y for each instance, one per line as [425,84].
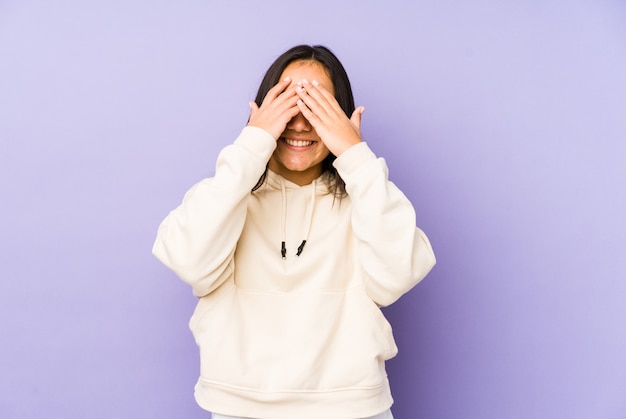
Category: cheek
[324,152]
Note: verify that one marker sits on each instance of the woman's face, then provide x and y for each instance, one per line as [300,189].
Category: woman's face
[299,152]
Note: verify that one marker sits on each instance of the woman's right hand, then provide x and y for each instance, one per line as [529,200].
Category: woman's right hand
[277,109]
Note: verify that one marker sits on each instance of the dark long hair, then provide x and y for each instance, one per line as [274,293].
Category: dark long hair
[343,94]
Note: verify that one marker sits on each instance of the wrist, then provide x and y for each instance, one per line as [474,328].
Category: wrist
[267,130]
[345,146]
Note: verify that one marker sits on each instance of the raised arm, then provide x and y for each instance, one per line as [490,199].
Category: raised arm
[197,240]
[394,254]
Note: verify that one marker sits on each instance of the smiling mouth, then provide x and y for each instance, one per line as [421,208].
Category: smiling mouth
[298,143]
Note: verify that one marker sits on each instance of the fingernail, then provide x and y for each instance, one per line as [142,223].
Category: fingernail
[315,82]
[287,78]
[305,81]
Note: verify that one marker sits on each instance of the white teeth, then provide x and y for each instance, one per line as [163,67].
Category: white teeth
[298,143]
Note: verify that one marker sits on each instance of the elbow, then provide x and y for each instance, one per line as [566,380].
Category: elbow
[198,272]
[159,252]
[422,262]
[423,256]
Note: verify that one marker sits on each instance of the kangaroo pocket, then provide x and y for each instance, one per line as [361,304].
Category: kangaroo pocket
[324,340]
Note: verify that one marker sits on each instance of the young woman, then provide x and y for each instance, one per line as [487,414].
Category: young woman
[291,248]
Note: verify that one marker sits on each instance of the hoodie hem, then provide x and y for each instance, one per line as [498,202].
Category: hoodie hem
[340,403]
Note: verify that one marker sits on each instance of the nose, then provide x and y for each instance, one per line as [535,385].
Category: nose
[299,123]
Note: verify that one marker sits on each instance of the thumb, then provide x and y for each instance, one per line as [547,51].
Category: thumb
[253,109]
[356,117]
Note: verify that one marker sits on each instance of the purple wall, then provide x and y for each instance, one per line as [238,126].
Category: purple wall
[504,122]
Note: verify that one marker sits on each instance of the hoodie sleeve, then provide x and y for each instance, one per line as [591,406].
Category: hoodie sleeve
[394,254]
[197,239]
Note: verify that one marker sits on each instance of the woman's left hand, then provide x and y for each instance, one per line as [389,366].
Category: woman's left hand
[323,112]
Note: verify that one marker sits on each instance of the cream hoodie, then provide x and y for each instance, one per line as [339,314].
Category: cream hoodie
[300,337]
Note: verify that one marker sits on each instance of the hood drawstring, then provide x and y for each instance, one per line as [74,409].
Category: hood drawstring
[283,222]
[309,218]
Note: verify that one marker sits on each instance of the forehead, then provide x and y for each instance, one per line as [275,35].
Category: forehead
[310,70]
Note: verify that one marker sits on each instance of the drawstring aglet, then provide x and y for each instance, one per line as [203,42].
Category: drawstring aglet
[283,250]
[301,248]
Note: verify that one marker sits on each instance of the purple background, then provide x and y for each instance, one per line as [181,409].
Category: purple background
[503,121]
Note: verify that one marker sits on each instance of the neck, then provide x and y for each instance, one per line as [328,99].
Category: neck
[300,178]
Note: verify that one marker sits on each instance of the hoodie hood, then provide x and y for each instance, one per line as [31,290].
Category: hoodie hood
[274,181]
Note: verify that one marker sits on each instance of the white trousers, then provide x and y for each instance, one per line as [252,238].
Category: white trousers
[385,415]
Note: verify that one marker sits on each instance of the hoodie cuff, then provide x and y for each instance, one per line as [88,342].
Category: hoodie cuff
[354,158]
[257,141]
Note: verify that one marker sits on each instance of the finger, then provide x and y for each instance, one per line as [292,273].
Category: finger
[279,88]
[284,108]
[313,100]
[253,109]
[291,112]
[313,119]
[356,117]
[285,100]
[318,92]
[288,96]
